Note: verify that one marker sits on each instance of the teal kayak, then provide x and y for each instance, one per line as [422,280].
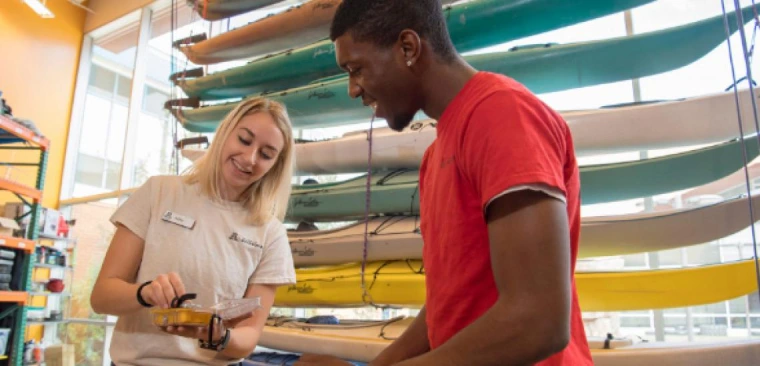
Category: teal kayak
[220,9]
[397,192]
[543,69]
[472,25]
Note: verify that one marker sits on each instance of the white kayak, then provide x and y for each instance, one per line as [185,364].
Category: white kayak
[398,237]
[356,340]
[393,237]
[701,120]
[650,232]
[731,352]
[363,340]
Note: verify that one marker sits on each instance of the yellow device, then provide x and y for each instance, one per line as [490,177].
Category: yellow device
[185,313]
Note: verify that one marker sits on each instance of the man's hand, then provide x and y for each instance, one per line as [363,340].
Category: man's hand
[308,359]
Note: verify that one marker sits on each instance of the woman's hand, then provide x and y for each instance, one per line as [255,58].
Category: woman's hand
[200,333]
[163,289]
[190,332]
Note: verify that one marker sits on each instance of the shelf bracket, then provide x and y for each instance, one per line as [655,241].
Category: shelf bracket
[26,203]
[8,311]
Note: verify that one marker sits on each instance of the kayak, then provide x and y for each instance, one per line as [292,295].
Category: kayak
[402,283]
[543,69]
[396,192]
[399,237]
[364,340]
[701,120]
[221,9]
[472,25]
[360,340]
[729,352]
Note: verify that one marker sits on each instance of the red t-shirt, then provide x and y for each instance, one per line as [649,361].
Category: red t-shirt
[493,136]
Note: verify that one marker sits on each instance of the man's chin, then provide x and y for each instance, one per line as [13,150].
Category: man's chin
[399,123]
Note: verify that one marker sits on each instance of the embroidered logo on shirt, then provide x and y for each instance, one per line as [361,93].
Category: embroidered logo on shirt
[243,240]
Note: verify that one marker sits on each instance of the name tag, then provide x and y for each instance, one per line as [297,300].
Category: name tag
[184,221]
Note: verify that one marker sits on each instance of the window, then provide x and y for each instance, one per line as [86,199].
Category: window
[717,308]
[739,305]
[93,232]
[691,80]
[96,172]
[673,257]
[703,254]
[635,260]
[153,101]
[105,113]
[636,322]
[737,322]
[675,322]
[754,303]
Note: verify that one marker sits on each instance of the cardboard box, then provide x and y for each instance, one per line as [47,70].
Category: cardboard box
[12,210]
[8,226]
[59,355]
[4,333]
[49,222]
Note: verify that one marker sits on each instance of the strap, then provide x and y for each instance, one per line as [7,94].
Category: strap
[190,73]
[140,298]
[193,102]
[607,341]
[190,40]
[209,342]
[177,301]
[191,141]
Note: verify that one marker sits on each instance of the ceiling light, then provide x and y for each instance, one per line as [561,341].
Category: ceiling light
[40,8]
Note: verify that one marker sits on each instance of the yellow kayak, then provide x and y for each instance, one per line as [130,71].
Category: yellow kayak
[402,283]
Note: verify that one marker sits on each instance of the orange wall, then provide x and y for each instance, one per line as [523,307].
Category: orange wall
[106,11]
[38,65]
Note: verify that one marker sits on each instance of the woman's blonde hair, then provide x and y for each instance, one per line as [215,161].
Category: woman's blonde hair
[267,197]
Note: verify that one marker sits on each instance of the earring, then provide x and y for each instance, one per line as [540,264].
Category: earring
[409,63]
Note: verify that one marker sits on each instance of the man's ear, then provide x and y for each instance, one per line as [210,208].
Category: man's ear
[411,46]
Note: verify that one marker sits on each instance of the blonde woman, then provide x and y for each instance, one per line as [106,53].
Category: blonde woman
[216,232]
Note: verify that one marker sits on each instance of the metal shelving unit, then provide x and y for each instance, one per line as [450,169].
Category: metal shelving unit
[14,136]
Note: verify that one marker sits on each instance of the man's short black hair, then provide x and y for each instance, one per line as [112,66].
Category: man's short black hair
[381,21]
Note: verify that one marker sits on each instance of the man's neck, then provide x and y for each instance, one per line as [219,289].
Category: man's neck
[442,83]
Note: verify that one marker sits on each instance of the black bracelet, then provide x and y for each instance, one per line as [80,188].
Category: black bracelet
[210,344]
[140,298]
[224,341]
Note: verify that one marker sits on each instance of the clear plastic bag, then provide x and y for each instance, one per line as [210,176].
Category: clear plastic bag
[238,308]
[190,314]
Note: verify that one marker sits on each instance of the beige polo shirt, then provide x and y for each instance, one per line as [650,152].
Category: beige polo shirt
[216,257]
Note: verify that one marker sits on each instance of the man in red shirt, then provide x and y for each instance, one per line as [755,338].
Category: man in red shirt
[499,195]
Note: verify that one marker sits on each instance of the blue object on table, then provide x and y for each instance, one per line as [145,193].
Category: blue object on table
[323,319]
[281,359]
